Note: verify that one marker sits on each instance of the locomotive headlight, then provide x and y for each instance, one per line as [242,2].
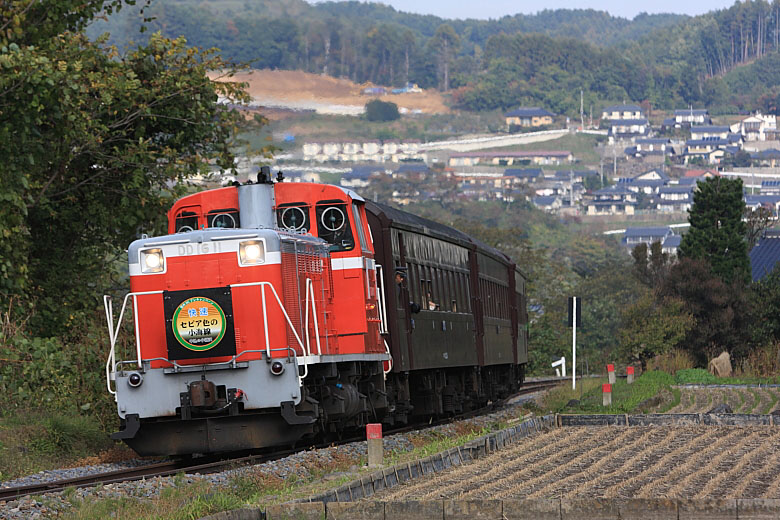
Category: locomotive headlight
[152,261]
[135,379]
[251,252]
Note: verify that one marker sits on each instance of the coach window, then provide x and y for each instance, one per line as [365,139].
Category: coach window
[187,220]
[223,218]
[359,227]
[293,217]
[333,225]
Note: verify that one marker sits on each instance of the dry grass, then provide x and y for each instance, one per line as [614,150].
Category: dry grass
[762,362]
[672,361]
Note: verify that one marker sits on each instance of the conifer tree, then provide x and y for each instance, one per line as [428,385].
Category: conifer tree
[717,232]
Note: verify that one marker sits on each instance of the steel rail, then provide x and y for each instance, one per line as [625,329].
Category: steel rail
[207,465]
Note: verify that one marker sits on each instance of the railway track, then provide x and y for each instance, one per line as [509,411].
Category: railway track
[212,465]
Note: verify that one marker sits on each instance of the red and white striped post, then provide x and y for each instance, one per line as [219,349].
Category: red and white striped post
[375,448]
[611,373]
[606,392]
[629,375]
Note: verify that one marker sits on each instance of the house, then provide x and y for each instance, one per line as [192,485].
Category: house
[711,150]
[528,117]
[548,204]
[691,116]
[623,112]
[627,129]
[499,158]
[412,169]
[645,235]
[770,187]
[709,131]
[525,175]
[360,176]
[765,254]
[770,157]
[755,127]
[770,202]
[648,182]
[650,148]
[675,199]
[671,244]
[614,200]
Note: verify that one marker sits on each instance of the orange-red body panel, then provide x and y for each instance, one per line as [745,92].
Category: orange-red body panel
[350,324]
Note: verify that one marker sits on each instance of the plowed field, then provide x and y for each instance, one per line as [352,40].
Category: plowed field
[609,462]
[741,400]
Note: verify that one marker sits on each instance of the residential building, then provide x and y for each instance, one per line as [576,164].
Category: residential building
[765,254]
[526,175]
[675,199]
[756,127]
[770,202]
[671,244]
[701,132]
[510,158]
[770,157]
[528,117]
[691,116]
[613,200]
[648,182]
[548,204]
[627,129]
[645,235]
[623,112]
[770,187]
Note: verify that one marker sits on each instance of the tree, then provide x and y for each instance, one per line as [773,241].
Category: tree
[445,43]
[92,141]
[652,327]
[717,233]
[720,310]
[378,110]
[756,222]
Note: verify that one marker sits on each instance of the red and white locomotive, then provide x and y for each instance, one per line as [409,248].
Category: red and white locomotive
[274,312]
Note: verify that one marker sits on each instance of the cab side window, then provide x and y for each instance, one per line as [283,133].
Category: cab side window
[293,217]
[333,225]
[186,220]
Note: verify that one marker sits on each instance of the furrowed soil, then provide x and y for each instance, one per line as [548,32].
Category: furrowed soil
[616,462]
[741,400]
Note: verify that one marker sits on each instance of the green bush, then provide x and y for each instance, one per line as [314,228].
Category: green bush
[378,110]
[695,376]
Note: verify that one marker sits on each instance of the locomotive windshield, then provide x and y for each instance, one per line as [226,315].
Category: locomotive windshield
[293,217]
[223,218]
[333,225]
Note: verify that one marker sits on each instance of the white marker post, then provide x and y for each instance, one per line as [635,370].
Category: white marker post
[560,363]
[574,319]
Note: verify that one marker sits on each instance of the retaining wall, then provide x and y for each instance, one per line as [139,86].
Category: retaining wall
[530,509]
[669,419]
[345,502]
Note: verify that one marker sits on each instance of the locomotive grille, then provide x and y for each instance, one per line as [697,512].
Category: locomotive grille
[301,260]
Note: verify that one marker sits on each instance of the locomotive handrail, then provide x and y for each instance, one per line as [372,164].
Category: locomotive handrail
[380,289]
[310,293]
[113,332]
[306,353]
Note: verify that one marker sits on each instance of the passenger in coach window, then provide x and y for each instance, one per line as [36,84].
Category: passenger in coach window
[432,305]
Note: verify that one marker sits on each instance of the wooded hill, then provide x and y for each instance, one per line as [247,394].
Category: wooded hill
[665,61]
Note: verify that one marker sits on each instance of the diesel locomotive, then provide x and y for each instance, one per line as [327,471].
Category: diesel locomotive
[274,312]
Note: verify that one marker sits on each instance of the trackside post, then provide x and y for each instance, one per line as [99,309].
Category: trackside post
[375,448]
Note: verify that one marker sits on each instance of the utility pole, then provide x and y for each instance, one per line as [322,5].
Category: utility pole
[582,118]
